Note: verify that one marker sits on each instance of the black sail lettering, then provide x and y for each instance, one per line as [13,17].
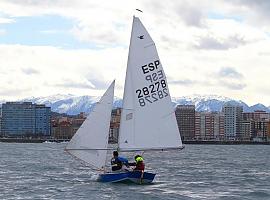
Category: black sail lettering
[145,69]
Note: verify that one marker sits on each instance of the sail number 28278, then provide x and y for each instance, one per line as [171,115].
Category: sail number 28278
[152,92]
[156,88]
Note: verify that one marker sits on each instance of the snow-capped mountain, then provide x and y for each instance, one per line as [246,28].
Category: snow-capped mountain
[210,103]
[259,106]
[71,104]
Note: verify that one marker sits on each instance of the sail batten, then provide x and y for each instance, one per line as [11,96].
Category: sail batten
[90,143]
[147,120]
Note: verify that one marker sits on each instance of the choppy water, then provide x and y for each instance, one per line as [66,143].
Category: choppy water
[45,171]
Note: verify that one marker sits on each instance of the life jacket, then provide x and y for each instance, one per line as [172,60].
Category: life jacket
[139,163]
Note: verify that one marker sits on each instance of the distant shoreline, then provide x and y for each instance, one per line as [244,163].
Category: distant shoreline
[32,140]
[36,140]
[227,142]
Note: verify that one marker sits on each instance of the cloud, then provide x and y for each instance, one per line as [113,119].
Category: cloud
[2,32]
[13,91]
[212,43]
[185,82]
[99,84]
[100,23]
[230,78]
[6,20]
[187,12]
[229,72]
[30,71]
[254,12]
[261,6]
[74,83]
[101,36]
[232,85]
[192,15]
[103,27]
[59,70]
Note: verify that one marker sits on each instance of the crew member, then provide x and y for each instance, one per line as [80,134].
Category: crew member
[118,162]
[139,164]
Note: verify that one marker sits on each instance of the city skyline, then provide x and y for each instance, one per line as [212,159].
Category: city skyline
[76,47]
[27,120]
[71,104]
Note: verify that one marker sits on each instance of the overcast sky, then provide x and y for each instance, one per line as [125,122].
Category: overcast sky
[79,46]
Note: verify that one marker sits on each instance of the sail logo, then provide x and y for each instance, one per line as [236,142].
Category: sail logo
[141,37]
[129,116]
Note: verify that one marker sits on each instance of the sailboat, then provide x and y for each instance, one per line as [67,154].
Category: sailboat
[148,121]
[90,142]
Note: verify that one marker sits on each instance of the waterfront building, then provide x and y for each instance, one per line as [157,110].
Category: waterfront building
[261,130]
[185,116]
[115,125]
[268,131]
[247,130]
[232,120]
[77,122]
[20,119]
[42,120]
[0,122]
[209,126]
[256,115]
[260,120]
[64,127]
[0,126]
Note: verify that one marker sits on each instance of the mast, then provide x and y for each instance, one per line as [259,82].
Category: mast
[127,88]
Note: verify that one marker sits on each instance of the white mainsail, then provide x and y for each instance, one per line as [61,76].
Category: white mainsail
[91,140]
[148,120]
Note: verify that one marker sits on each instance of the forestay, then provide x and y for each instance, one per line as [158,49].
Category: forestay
[91,140]
[148,119]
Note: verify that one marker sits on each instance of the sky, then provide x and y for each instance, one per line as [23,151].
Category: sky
[78,47]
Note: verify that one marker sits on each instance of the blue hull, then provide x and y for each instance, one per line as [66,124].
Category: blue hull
[134,177]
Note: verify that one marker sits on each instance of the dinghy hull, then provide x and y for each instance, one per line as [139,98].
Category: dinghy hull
[133,177]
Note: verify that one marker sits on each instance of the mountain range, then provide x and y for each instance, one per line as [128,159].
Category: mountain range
[71,104]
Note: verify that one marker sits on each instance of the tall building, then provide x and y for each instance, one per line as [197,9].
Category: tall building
[209,126]
[42,120]
[115,125]
[65,126]
[25,119]
[77,121]
[268,131]
[247,130]
[256,115]
[0,127]
[185,116]
[261,130]
[232,121]
[0,122]
[62,128]
[260,122]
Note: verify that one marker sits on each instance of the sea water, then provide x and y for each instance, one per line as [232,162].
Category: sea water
[45,171]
